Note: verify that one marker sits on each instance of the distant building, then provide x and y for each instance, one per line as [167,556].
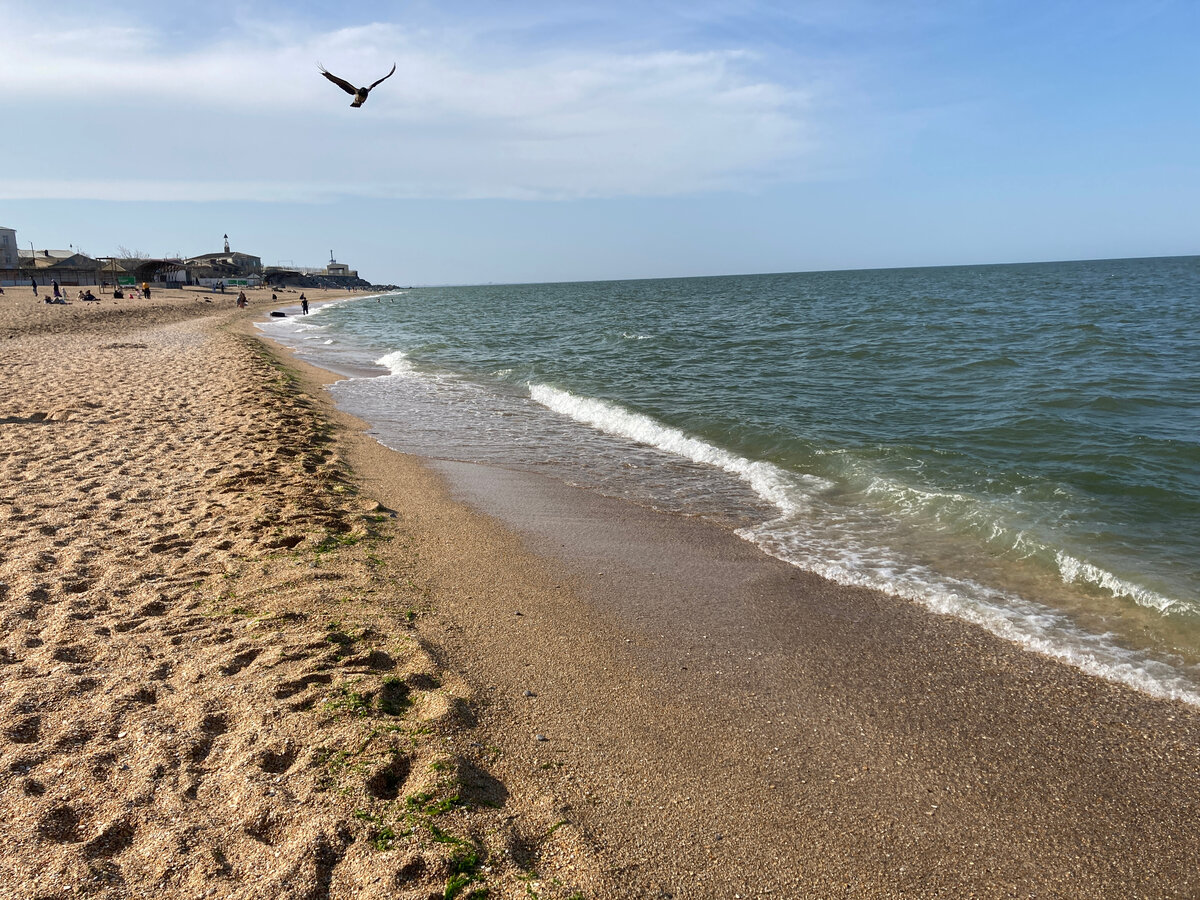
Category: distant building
[338,269]
[63,266]
[239,264]
[8,249]
[228,266]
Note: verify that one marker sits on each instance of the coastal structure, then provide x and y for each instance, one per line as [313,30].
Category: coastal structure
[64,266]
[135,270]
[228,266]
[341,270]
[333,275]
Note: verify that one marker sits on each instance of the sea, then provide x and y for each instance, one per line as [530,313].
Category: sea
[1014,445]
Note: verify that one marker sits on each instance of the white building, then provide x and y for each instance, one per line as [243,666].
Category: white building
[8,248]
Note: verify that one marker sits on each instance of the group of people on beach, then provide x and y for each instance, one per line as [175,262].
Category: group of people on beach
[59,295]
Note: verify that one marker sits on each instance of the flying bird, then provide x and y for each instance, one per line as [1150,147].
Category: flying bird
[360,94]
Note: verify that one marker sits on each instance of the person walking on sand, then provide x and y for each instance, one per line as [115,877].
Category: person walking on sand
[54,284]
[33,283]
[242,302]
[304,304]
[146,289]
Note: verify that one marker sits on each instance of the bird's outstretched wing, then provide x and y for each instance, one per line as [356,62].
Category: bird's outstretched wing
[343,84]
[385,77]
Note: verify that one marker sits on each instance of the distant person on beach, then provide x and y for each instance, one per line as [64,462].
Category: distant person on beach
[304,304]
[242,302]
[57,293]
[146,289]
[33,282]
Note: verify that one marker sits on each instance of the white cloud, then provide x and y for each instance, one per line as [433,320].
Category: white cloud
[253,117]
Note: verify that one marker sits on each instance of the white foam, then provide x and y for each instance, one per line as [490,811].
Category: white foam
[784,490]
[397,362]
[1076,570]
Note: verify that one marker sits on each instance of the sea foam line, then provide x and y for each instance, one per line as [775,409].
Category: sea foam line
[960,510]
[1074,570]
[785,491]
[1032,626]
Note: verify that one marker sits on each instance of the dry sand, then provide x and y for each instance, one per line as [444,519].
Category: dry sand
[228,671]
[210,682]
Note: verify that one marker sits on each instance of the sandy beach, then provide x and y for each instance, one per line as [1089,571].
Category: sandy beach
[250,652]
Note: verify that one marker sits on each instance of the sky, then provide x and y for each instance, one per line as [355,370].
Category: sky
[550,141]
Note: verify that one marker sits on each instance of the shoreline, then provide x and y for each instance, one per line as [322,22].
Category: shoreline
[248,649]
[1032,597]
[948,760]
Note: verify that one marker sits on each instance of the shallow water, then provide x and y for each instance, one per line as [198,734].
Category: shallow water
[1015,445]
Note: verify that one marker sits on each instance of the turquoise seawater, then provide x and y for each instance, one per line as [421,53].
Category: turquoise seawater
[1016,445]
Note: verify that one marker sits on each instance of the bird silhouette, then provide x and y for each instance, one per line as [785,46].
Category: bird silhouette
[360,94]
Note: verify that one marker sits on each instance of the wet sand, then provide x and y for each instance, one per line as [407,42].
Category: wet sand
[735,724]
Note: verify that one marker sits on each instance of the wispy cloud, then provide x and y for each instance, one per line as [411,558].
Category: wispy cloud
[252,117]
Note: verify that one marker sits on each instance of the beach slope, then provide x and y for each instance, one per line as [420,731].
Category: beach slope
[210,680]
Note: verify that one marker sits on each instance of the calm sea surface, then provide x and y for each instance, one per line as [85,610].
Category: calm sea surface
[1015,445]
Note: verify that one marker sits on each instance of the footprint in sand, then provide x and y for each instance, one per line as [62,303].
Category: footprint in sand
[145,693]
[27,731]
[114,837]
[153,608]
[73,739]
[62,825]
[74,654]
[33,788]
[240,661]
[211,727]
[266,825]
[289,688]
[277,759]
[386,782]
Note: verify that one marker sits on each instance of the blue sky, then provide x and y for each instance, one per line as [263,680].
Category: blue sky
[531,141]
